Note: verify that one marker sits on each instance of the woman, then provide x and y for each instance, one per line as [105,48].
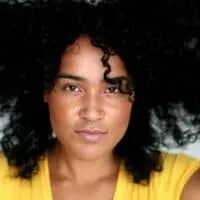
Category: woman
[82,128]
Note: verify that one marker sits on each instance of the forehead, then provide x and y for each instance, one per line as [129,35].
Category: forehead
[84,59]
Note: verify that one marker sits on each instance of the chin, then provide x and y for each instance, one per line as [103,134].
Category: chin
[90,154]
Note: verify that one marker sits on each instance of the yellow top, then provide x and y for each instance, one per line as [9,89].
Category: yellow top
[165,185]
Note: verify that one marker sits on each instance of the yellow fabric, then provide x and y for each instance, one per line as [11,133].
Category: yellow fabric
[166,185]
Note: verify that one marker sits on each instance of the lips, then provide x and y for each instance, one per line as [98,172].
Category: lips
[91,135]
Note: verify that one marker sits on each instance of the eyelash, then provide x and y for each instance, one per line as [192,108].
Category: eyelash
[114,87]
[68,87]
[72,87]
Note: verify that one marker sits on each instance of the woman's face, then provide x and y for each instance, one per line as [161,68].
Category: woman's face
[88,115]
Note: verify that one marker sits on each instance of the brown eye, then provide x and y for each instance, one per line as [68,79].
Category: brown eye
[112,90]
[72,88]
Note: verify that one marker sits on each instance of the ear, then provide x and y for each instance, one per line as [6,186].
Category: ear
[132,96]
[45,97]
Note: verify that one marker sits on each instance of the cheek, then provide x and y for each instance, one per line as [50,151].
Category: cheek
[118,123]
[61,111]
[120,117]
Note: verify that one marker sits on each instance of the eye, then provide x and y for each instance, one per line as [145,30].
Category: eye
[112,90]
[72,88]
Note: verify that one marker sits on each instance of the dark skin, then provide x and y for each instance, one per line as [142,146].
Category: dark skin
[81,167]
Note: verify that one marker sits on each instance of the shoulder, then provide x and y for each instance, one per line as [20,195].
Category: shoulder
[5,176]
[12,187]
[4,167]
[191,190]
[7,172]
[178,160]
[181,174]
[177,178]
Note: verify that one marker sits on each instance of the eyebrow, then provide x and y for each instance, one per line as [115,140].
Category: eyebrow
[80,78]
[70,76]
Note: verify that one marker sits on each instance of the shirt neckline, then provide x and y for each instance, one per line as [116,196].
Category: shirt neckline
[119,188]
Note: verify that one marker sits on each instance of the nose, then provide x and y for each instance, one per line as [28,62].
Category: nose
[92,108]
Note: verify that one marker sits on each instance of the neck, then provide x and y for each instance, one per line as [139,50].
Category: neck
[66,167]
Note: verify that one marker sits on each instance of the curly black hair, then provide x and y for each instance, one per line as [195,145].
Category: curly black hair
[159,43]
